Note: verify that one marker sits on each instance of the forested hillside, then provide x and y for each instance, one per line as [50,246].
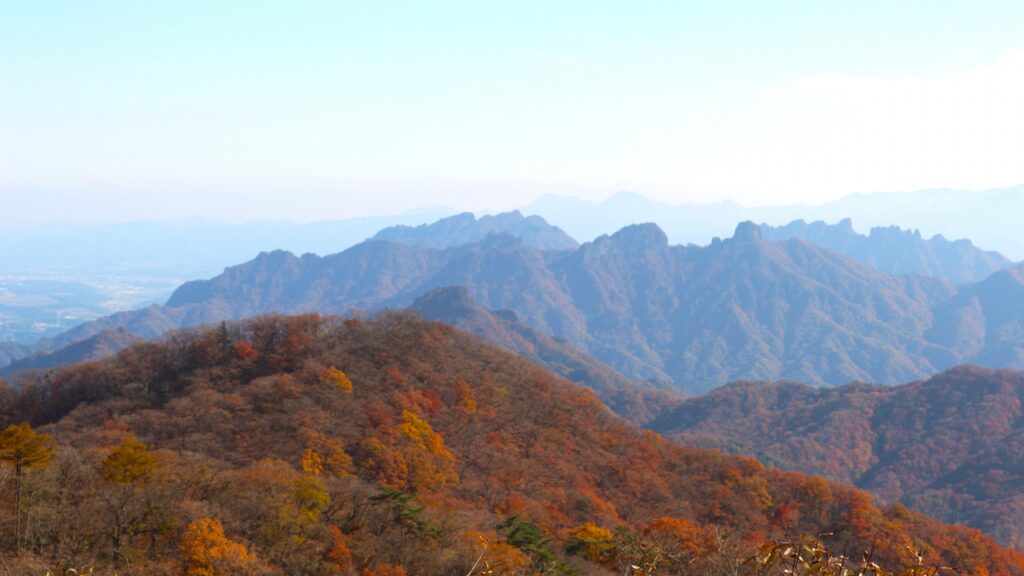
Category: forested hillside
[951,446]
[301,445]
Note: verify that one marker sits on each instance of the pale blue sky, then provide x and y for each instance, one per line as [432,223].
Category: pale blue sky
[291,109]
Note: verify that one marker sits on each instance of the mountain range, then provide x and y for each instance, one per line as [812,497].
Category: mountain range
[134,264]
[696,317]
[197,248]
[952,445]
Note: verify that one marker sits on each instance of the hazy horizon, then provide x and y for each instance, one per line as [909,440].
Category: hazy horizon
[314,110]
[434,211]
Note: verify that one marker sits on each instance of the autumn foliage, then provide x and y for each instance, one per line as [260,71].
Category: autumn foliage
[949,446]
[208,552]
[446,456]
[130,462]
[339,379]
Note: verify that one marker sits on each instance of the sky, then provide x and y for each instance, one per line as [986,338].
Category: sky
[118,110]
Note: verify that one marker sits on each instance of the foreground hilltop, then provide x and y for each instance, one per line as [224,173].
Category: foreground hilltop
[951,446]
[299,445]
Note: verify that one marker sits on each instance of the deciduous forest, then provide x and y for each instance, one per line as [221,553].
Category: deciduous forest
[395,446]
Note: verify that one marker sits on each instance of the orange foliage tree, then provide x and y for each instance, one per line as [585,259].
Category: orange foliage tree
[209,552]
[384,570]
[681,540]
[337,377]
[338,553]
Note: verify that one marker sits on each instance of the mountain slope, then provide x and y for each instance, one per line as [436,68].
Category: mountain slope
[465,228]
[742,308]
[329,446]
[951,445]
[984,323]
[102,345]
[635,400]
[10,351]
[896,251]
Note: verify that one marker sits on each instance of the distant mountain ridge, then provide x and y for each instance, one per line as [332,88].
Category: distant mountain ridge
[10,351]
[101,345]
[466,228]
[990,218]
[741,308]
[189,248]
[952,446]
[896,251]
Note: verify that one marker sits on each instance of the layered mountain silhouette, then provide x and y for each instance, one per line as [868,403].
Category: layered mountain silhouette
[896,251]
[466,228]
[952,445]
[698,317]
